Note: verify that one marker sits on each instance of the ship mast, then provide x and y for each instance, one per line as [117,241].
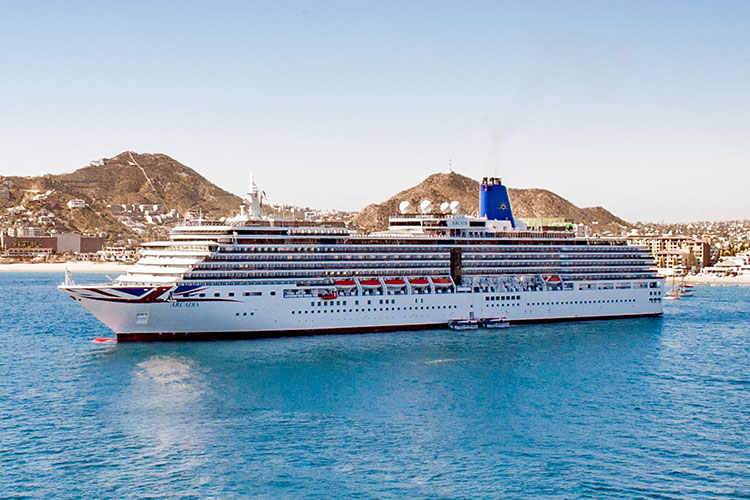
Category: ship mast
[253,199]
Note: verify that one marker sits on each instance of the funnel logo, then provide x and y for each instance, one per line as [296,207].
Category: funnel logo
[503,206]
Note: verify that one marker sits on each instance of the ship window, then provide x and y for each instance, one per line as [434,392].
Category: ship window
[313,303]
[273,293]
[202,295]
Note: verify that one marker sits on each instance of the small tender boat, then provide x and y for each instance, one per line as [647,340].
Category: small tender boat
[464,324]
[495,323]
[687,290]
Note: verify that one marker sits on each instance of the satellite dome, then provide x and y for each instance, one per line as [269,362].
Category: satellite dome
[425,206]
[455,207]
[404,207]
[445,207]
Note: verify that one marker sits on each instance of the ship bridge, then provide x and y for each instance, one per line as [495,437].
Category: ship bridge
[463,226]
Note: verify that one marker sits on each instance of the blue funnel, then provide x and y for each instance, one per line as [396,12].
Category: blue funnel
[494,202]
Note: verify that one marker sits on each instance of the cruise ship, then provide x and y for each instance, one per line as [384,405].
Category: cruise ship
[250,276]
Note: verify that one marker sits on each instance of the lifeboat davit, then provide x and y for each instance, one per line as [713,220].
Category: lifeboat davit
[395,283]
[344,284]
[442,282]
[419,282]
[370,283]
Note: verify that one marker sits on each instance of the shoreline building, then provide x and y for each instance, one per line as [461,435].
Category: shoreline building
[675,252]
[34,242]
[736,265]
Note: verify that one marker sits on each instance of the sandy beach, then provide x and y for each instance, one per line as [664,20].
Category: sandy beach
[714,280]
[74,267]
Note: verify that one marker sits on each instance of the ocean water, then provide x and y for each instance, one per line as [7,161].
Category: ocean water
[642,408]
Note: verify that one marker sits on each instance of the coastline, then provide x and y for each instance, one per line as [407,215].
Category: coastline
[711,280]
[75,267]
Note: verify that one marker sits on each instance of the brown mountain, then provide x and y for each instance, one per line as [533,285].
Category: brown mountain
[526,203]
[137,178]
[158,179]
[126,178]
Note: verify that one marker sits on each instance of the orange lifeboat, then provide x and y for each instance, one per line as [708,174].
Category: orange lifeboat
[395,283]
[419,282]
[330,296]
[442,282]
[370,283]
[344,283]
[552,278]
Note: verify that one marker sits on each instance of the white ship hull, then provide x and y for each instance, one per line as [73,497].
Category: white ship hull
[250,277]
[268,313]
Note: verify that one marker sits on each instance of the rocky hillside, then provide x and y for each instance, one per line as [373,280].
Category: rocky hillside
[126,178]
[526,203]
[133,178]
[158,179]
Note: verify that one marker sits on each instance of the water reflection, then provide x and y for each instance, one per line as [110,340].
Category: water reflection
[162,413]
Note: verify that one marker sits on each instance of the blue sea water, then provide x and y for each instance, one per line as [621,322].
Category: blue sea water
[641,408]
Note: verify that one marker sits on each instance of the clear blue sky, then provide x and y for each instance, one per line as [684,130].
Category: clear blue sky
[642,107]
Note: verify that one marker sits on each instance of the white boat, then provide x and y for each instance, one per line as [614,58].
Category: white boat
[686,290]
[463,324]
[495,323]
[249,277]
